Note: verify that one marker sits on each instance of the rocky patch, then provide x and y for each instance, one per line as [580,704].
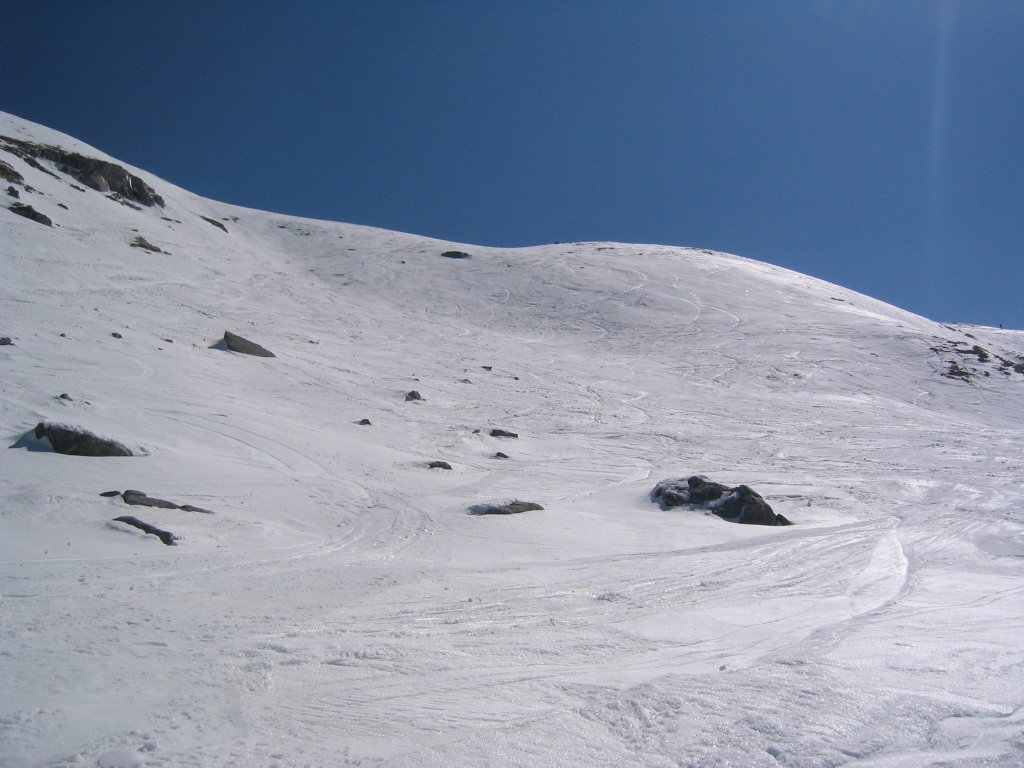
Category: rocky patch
[141,242]
[98,174]
[439,465]
[739,504]
[455,255]
[413,395]
[504,433]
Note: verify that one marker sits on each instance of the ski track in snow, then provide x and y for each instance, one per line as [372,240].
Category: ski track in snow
[341,607]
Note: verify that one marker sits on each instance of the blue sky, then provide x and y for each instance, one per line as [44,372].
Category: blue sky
[878,145]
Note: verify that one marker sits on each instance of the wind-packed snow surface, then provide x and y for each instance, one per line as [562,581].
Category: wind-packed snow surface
[341,606]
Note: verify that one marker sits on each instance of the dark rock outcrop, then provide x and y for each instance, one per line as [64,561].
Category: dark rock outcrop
[141,499]
[439,465]
[7,173]
[413,395]
[5,341]
[503,433]
[166,537]
[138,498]
[364,423]
[215,223]
[455,255]
[236,343]
[98,174]
[74,441]
[508,508]
[141,242]
[30,213]
[740,504]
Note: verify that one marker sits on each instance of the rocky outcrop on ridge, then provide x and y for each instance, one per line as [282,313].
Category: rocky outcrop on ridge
[100,175]
[739,504]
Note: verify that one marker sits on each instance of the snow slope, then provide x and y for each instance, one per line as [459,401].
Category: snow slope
[341,607]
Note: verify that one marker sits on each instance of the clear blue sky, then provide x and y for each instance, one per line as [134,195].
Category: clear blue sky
[879,145]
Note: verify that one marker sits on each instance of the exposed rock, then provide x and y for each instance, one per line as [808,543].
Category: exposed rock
[455,255]
[117,335]
[93,172]
[503,433]
[500,455]
[439,465]
[166,537]
[65,396]
[214,222]
[5,341]
[193,508]
[738,505]
[141,242]
[110,494]
[509,508]
[487,367]
[236,343]
[7,173]
[364,423]
[74,441]
[13,192]
[413,395]
[138,498]
[30,213]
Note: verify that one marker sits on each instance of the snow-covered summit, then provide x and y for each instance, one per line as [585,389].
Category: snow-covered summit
[341,605]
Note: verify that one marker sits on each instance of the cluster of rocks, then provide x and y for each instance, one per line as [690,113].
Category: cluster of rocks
[97,174]
[738,504]
[964,360]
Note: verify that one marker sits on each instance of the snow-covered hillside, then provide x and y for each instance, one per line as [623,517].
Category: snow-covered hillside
[341,606]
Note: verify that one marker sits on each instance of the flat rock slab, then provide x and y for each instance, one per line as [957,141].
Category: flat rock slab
[508,508]
[503,433]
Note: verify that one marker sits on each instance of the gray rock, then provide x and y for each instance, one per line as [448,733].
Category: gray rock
[439,465]
[413,395]
[138,498]
[74,441]
[236,343]
[508,508]
[5,341]
[30,213]
[166,537]
[503,433]
[455,255]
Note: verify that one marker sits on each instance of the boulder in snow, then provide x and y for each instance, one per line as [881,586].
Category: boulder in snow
[75,441]
[741,504]
[236,343]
